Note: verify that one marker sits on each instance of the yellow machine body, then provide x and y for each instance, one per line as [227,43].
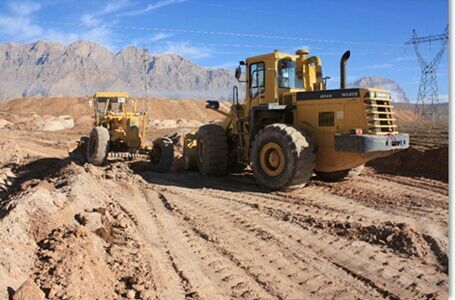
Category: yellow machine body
[119,114]
[350,126]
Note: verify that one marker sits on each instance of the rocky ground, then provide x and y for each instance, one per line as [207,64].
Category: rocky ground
[75,231]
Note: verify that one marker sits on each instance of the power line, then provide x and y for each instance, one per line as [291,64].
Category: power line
[236,34]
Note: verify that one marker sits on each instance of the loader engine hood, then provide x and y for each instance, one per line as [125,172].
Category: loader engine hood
[328,94]
[372,108]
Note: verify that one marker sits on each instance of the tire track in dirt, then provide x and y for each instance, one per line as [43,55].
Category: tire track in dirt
[396,238]
[305,271]
[317,200]
[393,197]
[418,182]
[204,273]
[168,282]
[388,281]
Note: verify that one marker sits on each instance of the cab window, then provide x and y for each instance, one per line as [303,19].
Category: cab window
[286,75]
[257,74]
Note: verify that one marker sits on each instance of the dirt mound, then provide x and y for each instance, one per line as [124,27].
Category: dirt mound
[75,260]
[170,124]
[405,116]
[430,163]
[80,231]
[28,290]
[398,237]
[159,109]
[44,123]
[54,106]
[9,153]
[5,124]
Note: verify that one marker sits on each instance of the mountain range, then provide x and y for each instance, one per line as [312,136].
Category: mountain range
[81,68]
[398,95]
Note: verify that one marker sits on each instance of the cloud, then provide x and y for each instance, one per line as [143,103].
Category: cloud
[59,36]
[90,20]
[23,8]
[184,49]
[160,36]
[22,28]
[153,40]
[96,18]
[151,7]
[18,24]
[114,6]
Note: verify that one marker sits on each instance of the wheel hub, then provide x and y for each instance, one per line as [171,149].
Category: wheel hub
[272,159]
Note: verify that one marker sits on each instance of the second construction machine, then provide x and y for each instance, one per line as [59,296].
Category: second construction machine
[119,131]
[290,126]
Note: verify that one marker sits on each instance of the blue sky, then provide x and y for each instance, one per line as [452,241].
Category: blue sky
[220,33]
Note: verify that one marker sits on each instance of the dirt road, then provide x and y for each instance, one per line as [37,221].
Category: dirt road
[134,233]
[120,231]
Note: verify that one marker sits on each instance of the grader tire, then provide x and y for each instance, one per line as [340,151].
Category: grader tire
[339,175]
[162,155]
[98,146]
[282,157]
[190,152]
[212,150]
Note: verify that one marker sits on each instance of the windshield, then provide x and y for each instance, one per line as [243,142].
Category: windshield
[115,104]
[286,74]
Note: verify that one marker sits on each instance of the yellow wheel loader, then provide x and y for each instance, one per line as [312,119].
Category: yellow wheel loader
[290,126]
[119,131]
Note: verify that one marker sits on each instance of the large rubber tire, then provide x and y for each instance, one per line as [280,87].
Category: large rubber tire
[98,146]
[339,175]
[162,155]
[296,157]
[212,150]
[189,153]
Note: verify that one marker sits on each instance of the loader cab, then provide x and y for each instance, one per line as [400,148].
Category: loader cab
[261,77]
[270,76]
[287,77]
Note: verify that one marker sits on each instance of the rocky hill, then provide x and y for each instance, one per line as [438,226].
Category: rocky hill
[398,95]
[81,68]
[46,68]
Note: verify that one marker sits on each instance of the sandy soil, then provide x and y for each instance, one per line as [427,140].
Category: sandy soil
[71,231]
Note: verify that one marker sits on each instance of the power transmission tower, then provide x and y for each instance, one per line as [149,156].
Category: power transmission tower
[145,62]
[427,97]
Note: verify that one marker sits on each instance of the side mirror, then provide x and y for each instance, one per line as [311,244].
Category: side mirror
[212,104]
[238,72]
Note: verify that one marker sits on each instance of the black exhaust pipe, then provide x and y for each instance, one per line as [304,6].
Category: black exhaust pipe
[343,75]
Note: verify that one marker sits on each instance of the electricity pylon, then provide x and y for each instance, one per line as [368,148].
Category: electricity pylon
[145,62]
[427,97]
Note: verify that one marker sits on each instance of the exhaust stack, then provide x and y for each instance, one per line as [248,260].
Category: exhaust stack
[343,75]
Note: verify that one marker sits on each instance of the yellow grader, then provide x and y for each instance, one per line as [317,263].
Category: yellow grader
[119,131]
[290,126]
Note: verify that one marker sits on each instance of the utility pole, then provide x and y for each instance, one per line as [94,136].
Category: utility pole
[145,62]
[427,97]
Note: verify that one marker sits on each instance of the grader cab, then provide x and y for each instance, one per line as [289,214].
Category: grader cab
[119,131]
[290,126]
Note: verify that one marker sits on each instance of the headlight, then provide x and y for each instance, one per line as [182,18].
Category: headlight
[370,94]
[383,95]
